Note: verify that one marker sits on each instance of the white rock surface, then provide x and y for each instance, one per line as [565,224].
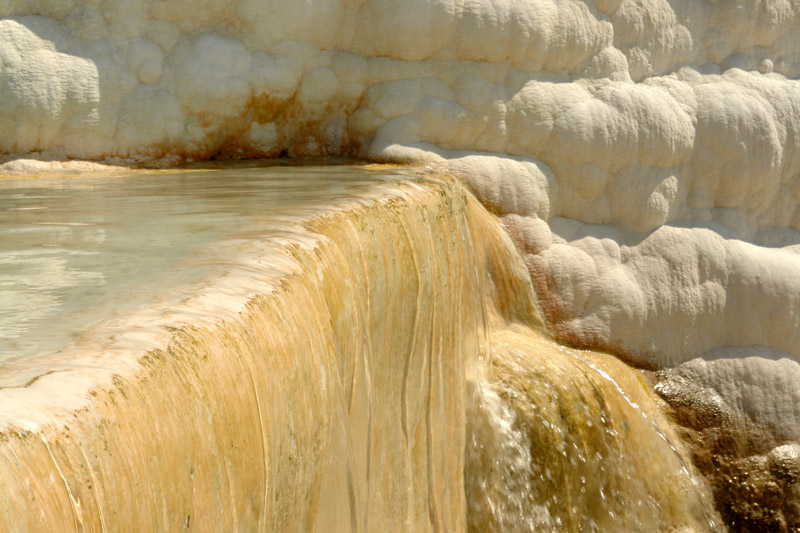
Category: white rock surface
[645,153]
[747,379]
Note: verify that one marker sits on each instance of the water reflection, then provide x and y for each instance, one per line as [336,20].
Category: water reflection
[77,250]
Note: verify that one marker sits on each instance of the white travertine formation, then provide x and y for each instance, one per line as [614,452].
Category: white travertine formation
[745,378]
[644,153]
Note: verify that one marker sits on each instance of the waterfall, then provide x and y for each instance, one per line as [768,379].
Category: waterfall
[379,365]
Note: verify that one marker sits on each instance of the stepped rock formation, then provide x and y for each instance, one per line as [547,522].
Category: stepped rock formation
[643,154]
[372,365]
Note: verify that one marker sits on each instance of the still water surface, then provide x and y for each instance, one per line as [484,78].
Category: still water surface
[77,250]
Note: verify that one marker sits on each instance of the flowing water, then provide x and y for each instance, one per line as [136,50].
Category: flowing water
[341,348]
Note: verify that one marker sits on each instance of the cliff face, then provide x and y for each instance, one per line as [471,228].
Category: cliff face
[644,154]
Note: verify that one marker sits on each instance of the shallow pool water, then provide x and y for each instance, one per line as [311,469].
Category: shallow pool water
[77,250]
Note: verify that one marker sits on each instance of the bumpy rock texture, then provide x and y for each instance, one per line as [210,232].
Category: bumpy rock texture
[644,154]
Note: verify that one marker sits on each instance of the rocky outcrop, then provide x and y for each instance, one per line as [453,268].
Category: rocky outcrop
[643,153]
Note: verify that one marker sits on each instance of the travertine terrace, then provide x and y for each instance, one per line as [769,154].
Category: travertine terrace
[643,154]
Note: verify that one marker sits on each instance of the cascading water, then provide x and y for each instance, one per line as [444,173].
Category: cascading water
[341,349]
